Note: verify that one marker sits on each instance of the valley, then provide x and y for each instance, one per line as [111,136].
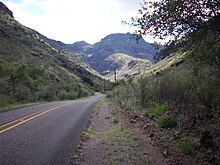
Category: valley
[160,103]
[101,56]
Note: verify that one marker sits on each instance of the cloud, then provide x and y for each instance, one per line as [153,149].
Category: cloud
[73,20]
[130,6]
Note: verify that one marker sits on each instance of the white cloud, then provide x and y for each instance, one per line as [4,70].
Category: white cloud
[73,20]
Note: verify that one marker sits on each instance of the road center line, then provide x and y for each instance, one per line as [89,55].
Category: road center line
[28,118]
[23,117]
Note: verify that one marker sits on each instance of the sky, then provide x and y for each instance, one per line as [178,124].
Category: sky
[70,21]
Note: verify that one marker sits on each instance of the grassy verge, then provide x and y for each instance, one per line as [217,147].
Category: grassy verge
[121,136]
[119,143]
[98,106]
[16,106]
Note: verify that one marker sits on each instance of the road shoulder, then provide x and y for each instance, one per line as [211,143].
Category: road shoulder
[109,139]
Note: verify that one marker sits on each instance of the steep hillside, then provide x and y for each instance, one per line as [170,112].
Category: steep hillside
[69,53]
[31,69]
[126,66]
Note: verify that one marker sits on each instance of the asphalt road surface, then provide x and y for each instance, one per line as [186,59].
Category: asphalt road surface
[44,134]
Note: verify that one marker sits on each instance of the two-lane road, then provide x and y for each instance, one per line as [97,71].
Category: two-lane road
[45,134]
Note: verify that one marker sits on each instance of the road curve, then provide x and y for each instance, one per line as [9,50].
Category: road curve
[44,134]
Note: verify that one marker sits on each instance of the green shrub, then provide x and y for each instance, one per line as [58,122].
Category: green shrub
[167,122]
[187,146]
[160,109]
[115,115]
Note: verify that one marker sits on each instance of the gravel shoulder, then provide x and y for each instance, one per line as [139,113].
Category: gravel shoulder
[111,139]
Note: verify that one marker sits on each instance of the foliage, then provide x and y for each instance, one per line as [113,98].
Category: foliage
[160,109]
[22,83]
[177,18]
[193,83]
[171,87]
[207,50]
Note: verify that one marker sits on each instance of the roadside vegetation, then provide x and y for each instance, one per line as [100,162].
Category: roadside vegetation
[22,83]
[183,98]
[182,102]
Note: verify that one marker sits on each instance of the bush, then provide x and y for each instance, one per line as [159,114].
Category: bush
[160,109]
[187,146]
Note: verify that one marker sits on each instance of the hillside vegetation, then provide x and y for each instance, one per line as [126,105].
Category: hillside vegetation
[177,101]
[181,96]
[32,70]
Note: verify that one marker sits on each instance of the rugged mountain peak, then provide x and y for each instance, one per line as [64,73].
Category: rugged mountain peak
[81,43]
[4,8]
[117,36]
[122,36]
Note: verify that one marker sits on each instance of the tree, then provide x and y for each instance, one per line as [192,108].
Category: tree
[177,18]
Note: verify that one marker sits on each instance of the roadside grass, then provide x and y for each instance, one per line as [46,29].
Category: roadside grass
[98,106]
[119,135]
[115,116]
[16,106]
[119,142]
[122,137]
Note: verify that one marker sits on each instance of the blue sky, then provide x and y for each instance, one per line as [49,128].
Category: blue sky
[76,20]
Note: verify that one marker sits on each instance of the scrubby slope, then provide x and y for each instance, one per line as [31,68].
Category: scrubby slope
[125,66]
[31,69]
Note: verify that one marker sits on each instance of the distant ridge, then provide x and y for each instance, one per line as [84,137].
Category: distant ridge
[96,55]
[119,43]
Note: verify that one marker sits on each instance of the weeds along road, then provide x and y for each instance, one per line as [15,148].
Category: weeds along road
[44,134]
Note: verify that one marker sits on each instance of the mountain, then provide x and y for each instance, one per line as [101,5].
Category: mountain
[32,69]
[95,55]
[98,56]
[117,43]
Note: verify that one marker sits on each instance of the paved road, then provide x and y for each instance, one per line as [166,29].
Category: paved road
[46,134]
